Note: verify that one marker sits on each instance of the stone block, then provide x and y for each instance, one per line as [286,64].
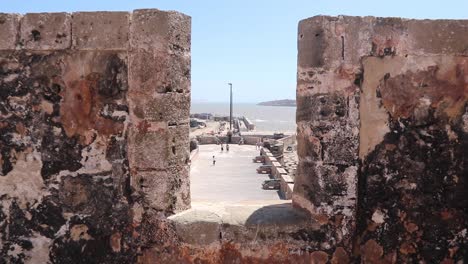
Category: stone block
[169,107]
[158,146]
[323,185]
[308,146]
[340,147]
[8,31]
[46,31]
[153,187]
[311,43]
[100,30]
[148,149]
[198,227]
[158,72]
[165,190]
[327,42]
[178,145]
[438,36]
[322,107]
[156,30]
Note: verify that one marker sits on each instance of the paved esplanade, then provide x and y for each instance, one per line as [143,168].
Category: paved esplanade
[233,179]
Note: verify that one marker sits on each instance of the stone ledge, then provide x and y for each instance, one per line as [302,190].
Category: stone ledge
[152,30]
[9,24]
[327,42]
[156,30]
[101,30]
[45,31]
[208,223]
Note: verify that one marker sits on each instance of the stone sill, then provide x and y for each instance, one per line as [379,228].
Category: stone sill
[208,223]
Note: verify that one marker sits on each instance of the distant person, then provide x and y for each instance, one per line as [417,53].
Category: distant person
[258,145]
[222,147]
[214,161]
[227,147]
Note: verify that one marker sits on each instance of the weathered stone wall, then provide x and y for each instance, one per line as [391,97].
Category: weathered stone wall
[382,136]
[94,145]
[94,111]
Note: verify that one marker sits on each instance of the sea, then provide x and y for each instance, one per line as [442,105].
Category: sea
[266,118]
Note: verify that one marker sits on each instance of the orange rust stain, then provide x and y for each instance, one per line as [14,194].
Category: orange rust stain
[372,226]
[407,248]
[79,110]
[453,251]
[411,227]
[319,257]
[340,256]
[115,241]
[381,44]
[321,219]
[346,72]
[21,129]
[143,126]
[338,219]
[390,258]
[278,253]
[402,94]
[372,252]
[446,214]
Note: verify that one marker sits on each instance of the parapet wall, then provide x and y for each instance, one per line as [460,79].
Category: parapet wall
[94,144]
[94,110]
[382,136]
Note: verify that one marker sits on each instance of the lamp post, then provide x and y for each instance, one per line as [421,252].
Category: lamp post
[230,108]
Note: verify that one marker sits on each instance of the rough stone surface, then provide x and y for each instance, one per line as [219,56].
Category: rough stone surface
[159,31]
[159,99]
[160,72]
[63,157]
[101,30]
[46,31]
[9,24]
[94,147]
[70,188]
[415,173]
[382,134]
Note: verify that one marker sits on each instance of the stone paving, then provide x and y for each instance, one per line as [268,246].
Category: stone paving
[232,179]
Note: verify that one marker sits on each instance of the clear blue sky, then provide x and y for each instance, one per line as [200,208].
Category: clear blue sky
[251,43]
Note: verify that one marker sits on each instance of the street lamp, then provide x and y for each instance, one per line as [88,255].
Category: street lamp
[230,108]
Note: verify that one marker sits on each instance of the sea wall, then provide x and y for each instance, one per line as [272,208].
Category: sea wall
[382,136]
[94,113]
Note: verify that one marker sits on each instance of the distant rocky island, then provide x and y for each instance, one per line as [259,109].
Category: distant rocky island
[284,102]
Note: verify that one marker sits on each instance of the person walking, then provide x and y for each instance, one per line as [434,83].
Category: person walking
[214,160]
[227,147]
[222,147]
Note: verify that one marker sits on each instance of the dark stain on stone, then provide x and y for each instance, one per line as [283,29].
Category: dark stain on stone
[321,107]
[33,89]
[47,217]
[35,35]
[425,173]
[113,80]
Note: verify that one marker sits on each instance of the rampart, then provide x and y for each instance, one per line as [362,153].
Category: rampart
[382,136]
[94,145]
[94,131]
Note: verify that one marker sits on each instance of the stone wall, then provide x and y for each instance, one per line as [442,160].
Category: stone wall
[94,113]
[94,145]
[382,136]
